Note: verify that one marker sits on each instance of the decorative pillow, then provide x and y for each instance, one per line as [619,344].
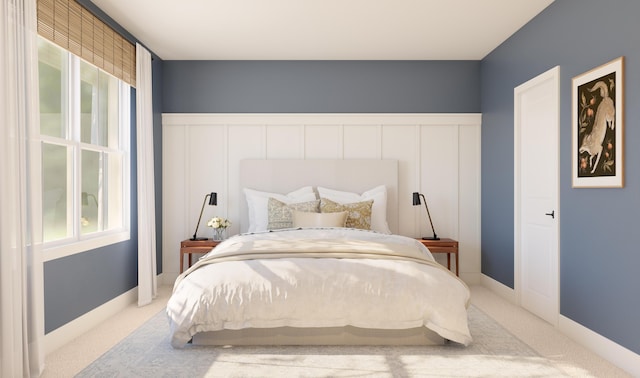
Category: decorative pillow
[280,214]
[359,213]
[303,219]
[378,211]
[257,204]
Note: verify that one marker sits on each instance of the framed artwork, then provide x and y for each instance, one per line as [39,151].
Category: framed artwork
[597,129]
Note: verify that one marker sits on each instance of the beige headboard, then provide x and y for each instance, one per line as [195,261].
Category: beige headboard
[284,176]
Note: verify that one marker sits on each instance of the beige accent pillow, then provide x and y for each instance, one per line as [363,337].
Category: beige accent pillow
[359,213]
[280,214]
[305,219]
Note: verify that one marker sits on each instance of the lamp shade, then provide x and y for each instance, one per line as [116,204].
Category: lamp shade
[213,199]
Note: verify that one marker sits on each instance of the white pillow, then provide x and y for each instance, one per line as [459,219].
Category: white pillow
[257,203]
[306,219]
[378,210]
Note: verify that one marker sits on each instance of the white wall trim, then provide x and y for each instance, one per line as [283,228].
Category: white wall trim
[54,252]
[607,349]
[170,278]
[194,119]
[470,278]
[75,328]
[499,288]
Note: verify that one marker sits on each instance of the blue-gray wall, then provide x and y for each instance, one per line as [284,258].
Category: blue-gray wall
[77,284]
[599,253]
[321,86]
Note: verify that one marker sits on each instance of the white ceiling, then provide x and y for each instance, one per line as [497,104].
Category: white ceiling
[322,29]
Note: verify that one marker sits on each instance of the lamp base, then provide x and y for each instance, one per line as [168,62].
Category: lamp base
[430,238]
[198,239]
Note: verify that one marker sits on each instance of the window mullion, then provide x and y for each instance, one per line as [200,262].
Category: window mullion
[74,136]
[101,191]
[125,146]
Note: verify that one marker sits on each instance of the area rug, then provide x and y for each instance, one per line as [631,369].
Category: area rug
[494,353]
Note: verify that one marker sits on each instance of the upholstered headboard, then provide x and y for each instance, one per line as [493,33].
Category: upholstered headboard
[283,176]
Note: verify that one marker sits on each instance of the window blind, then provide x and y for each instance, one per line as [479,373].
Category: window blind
[72,27]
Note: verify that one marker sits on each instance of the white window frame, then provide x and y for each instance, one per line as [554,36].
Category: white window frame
[77,242]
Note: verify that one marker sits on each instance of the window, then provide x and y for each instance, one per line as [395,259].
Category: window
[84,129]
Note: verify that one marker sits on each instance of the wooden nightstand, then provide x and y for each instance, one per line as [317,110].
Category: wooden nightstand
[443,245]
[190,247]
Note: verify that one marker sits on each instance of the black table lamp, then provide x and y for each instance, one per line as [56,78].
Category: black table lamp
[416,202]
[213,201]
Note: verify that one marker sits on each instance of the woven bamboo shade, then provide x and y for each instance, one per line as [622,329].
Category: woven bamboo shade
[72,27]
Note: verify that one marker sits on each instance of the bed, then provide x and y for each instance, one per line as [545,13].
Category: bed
[318,279]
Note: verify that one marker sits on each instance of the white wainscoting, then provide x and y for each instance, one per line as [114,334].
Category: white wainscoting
[438,155]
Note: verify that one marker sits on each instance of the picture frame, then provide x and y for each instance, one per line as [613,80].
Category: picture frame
[597,126]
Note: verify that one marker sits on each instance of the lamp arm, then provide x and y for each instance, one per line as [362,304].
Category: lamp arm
[429,215]
[200,217]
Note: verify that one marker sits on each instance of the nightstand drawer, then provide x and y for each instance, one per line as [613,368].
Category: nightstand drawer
[442,247]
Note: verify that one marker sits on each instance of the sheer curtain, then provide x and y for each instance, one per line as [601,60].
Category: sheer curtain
[21,279]
[147,277]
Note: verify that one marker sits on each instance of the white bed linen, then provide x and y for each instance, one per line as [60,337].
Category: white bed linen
[318,292]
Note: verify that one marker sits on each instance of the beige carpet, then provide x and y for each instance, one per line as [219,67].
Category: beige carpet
[494,352]
[547,353]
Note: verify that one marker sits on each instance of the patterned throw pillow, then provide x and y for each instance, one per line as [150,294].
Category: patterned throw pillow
[378,210]
[257,202]
[280,214]
[359,213]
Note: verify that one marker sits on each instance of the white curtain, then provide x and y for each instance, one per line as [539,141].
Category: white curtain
[21,279]
[147,278]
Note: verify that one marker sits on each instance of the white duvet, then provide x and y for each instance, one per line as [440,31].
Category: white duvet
[318,278]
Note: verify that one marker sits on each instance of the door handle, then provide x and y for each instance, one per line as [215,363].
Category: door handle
[552,214]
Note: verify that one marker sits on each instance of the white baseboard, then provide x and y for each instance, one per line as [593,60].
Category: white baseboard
[605,348]
[169,278]
[471,278]
[499,288]
[75,328]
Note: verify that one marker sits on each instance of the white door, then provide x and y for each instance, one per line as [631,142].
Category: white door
[536,170]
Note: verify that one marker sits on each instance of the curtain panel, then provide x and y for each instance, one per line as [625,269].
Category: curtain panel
[147,276]
[21,276]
